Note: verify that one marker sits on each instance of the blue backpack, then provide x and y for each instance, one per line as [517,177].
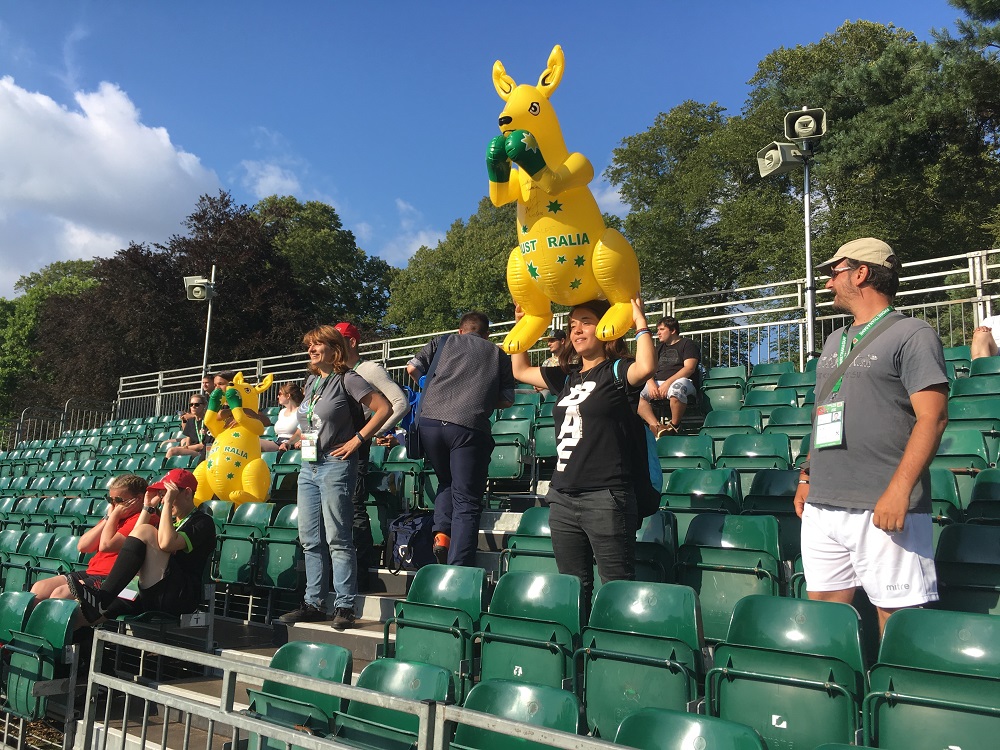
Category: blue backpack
[647,476]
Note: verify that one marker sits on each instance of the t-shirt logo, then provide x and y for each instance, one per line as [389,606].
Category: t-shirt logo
[571,429]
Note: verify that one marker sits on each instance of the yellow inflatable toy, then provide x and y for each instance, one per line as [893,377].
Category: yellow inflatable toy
[566,253]
[233,469]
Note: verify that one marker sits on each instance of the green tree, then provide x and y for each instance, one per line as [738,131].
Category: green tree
[466,271]
[336,279]
[19,318]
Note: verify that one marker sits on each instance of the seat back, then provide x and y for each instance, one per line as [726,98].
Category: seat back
[401,679]
[742,418]
[967,560]
[662,729]
[15,606]
[324,661]
[451,586]
[538,705]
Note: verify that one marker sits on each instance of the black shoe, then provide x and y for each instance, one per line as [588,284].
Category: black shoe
[344,617]
[305,613]
[88,597]
[440,549]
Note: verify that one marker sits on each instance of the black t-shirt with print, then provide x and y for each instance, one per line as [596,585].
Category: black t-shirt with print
[670,358]
[200,531]
[591,417]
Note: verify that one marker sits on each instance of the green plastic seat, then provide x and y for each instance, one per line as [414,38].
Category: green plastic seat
[520,411]
[985,366]
[17,566]
[772,493]
[936,681]
[364,724]
[531,629]
[236,544]
[528,554]
[791,669]
[39,654]
[801,382]
[946,502]
[975,389]
[293,707]
[722,395]
[685,452]
[767,400]
[726,558]
[63,556]
[220,510]
[721,424]
[964,452]
[967,560]
[984,502]
[280,564]
[437,621]
[534,521]
[796,422]
[641,648]
[735,371]
[509,460]
[689,492]
[748,454]
[662,729]
[15,606]
[765,375]
[528,397]
[507,431]
[537,705]
[656,548]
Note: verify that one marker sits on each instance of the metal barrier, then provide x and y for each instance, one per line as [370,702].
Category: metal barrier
[180,717]
[762,323]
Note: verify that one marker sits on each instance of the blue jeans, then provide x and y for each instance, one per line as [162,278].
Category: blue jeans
[326,520]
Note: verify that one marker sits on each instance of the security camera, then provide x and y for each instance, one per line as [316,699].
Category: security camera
[804,124]
[777,158]
[199,288]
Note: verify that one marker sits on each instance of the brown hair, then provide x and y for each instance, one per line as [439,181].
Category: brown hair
[134,484]
[292,391]
[569,360]
[333,338]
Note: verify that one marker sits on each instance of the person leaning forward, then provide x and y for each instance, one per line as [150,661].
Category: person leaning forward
[864,494]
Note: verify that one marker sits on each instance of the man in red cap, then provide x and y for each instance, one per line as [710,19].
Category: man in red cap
[380,380]
[169,558]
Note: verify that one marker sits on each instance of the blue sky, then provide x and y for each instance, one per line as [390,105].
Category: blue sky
[116,116]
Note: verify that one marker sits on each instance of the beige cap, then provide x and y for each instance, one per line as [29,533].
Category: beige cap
[864,250]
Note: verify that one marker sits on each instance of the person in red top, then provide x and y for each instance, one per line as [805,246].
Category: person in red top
[125,498]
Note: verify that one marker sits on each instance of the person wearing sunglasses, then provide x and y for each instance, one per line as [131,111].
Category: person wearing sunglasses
[123,505]
[196,436]
[864,495]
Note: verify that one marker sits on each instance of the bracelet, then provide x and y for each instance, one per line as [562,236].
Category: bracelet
[640,332]
[803,481]
[359,437]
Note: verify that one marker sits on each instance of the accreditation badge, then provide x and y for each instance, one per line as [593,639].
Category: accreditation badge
[310,441]
[829,432]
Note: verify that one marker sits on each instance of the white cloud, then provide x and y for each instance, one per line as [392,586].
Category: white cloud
[413,233]
[267,178]
[363,231]
[86,181]
[609,199]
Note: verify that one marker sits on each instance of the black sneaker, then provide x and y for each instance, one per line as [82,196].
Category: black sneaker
[305,613]
[343,617]
[88,597]
[440,549]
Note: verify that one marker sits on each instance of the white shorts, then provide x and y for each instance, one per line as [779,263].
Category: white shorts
[682,389]
[842,549]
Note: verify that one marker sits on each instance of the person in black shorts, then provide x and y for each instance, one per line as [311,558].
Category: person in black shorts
[169,558]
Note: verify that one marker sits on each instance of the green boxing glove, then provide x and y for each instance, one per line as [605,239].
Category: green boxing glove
[497,163]
[233,398]
[215,400]
[523,150]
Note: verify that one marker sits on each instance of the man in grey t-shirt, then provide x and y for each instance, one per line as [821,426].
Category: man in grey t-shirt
[864,495]
[472,378]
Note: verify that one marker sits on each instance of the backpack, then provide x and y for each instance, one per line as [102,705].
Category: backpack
[647,476]
[410,541]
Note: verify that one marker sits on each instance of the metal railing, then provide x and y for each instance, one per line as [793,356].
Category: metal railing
[762,323]
[111,722]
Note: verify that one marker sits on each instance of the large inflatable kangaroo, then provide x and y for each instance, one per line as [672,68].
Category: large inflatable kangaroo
[233,469]
[565,254]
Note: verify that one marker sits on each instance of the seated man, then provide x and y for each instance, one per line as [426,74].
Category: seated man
[105,539]
[197,436]
[675,379]
[169,558]
[984,338]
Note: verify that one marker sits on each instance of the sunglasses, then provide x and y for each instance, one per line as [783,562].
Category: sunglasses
[117,500]
[194,404]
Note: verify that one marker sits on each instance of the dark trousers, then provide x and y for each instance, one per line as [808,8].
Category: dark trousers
[593,525]
[364,543]
[461,459]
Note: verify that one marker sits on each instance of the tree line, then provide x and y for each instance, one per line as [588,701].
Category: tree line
[911,156]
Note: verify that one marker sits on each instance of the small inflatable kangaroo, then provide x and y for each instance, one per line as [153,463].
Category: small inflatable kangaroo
[566,254]
[233,469]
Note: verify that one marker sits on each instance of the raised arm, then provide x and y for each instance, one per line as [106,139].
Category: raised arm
[645,354]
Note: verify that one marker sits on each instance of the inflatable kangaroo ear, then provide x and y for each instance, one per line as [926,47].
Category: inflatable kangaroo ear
[502,82]
[264,384]
[552,75]
[238,380]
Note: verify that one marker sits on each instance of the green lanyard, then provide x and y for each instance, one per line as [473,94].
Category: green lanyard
[844,349]
[313,398]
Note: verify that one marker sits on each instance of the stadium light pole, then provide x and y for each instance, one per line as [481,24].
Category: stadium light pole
[804,126]
[200,289]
